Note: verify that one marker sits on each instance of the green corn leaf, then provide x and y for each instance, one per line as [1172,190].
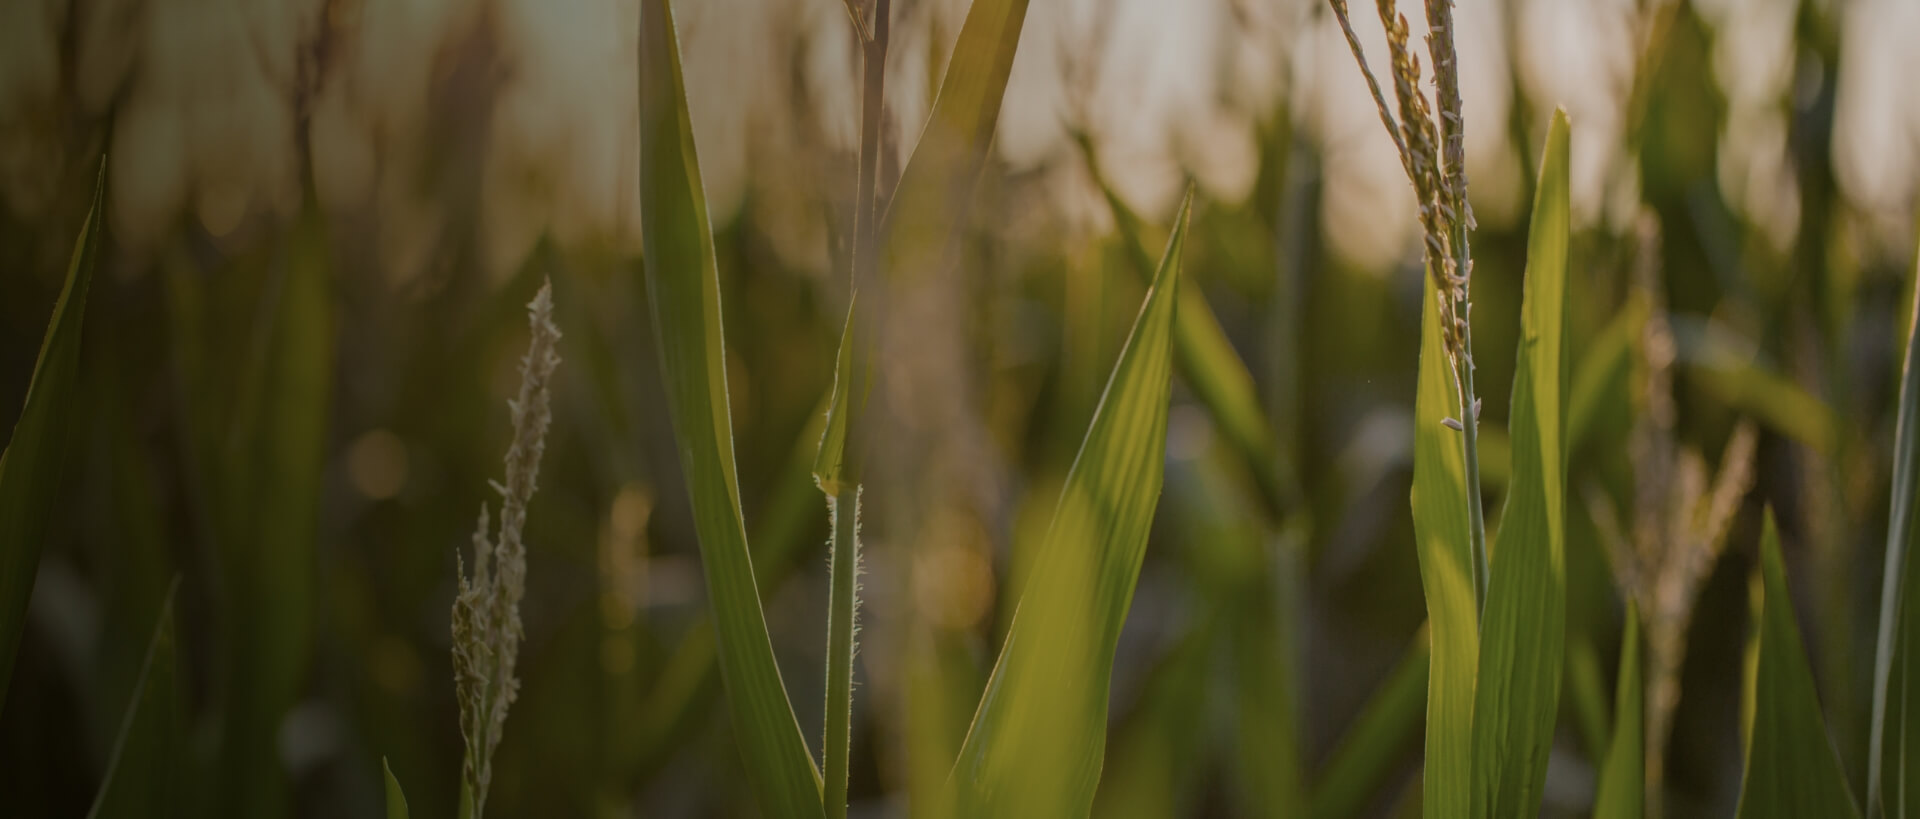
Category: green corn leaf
[1038,738]
[1517,692]
[1893,756]
[924,219]
[1792,770]
[1205,358]
[929,205]
[683,286]
[686,687]
[1378,740]
[38,451]
[142,776]
[1622,778]
[1442,542]
[396,798]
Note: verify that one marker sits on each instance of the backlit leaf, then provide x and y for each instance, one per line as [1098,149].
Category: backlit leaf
[1522,638]
[1038,740]
[683,287]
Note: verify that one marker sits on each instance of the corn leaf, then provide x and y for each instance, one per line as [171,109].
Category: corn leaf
[396,798]
[683,287]
[1517,691]
[1895,734]
[37,452]
[1446,573]
[1205,358]
[1038,738]
[1622,778]
[929,207]
[686,688]
[1792,770]
[930,203]
[142,776]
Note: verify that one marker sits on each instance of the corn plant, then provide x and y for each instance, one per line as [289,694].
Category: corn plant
[1498,629]
[1045,702]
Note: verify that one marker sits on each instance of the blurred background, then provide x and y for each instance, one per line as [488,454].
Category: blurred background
[325,217]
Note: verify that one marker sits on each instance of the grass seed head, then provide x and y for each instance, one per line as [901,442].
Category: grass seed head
[486,610]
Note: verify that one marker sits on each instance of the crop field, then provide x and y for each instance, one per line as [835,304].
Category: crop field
[959,408]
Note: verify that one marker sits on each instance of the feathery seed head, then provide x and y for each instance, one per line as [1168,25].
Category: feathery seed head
[486,609]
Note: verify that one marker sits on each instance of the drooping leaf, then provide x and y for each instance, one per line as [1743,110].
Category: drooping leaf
[1893,755]
[1442,542]
[143,771]
[396,798]
[1623,777]
[1379,738]
[1038,739]
[683,289]
[38,449]
[1791,770]
[1517,690]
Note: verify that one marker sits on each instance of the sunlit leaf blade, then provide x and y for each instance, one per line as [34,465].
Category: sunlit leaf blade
[1893,757]
[684,293]
[1037,741]
[1206,359]
[142,775]
[269,484]
[928,210]
[396,798]
[1622,778]
[1517,691]
[929,205]
[37,451]
[1446,573]
[1378,739]
[688,684]
[1792,770]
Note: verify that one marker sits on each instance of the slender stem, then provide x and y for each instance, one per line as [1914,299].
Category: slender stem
[1470,434]
[843,564]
